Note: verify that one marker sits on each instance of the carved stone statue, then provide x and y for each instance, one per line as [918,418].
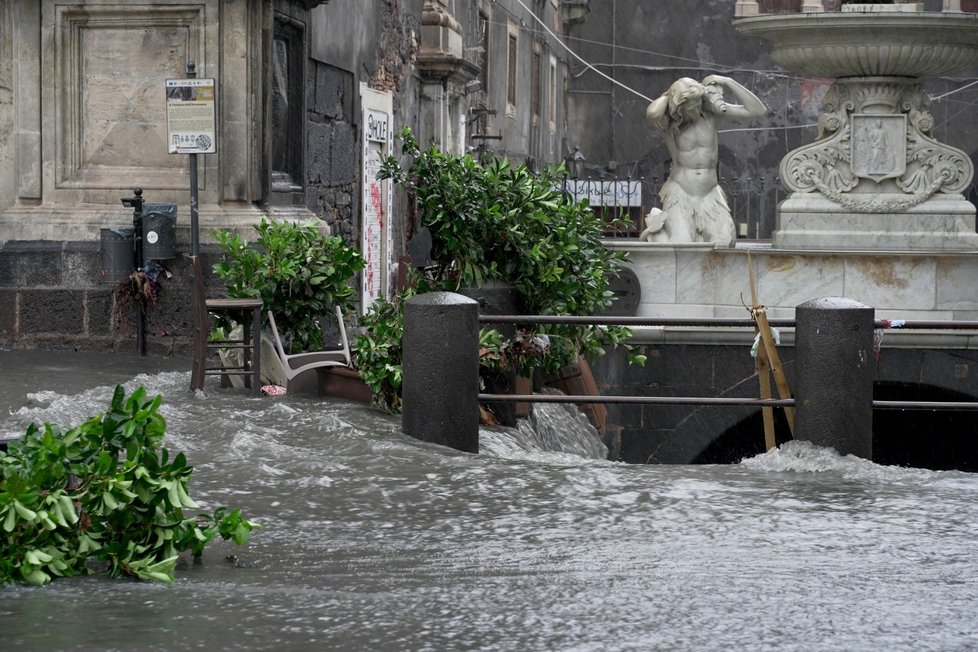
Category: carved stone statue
[694,208]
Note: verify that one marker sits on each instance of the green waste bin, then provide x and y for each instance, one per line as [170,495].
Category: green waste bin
[116,254]
[159,231]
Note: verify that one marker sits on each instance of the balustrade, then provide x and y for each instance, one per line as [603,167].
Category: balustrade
[745,8]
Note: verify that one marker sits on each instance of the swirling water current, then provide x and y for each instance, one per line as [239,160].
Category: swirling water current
[374,541]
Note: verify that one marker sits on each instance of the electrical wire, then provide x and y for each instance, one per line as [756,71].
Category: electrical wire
[593,67]
[578,57]
[958,90]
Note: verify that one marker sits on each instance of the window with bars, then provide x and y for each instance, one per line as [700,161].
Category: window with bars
[535,90]
[512,51]
[484,53]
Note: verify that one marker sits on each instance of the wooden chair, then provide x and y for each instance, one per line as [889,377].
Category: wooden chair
[245,311]
[295,363]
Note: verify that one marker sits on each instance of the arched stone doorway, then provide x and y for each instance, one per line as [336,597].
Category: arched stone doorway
[930,439]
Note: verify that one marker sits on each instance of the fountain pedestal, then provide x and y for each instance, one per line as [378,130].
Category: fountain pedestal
[875,178]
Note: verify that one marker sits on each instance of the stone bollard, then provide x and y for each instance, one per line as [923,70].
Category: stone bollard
[440,388]
[834,375]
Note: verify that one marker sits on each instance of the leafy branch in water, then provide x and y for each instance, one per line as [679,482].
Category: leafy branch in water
[103,494]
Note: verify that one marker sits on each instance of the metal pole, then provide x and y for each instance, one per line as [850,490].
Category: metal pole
[194,224]
[137,226]
[441,370]
[835,368]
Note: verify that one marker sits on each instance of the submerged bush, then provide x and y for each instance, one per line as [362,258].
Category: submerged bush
[299,273]
[103,495]
[497,222]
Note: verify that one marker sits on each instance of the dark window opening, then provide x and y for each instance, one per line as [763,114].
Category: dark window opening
[286,100]
[535,86]
[511,67]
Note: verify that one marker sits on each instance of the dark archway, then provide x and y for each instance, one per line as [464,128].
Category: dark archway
[744,439]
[928,439]
[939,439]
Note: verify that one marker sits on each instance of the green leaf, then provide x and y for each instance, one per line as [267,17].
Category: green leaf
[23,512]
[10,520]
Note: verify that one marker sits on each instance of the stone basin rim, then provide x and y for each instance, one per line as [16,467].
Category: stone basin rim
[854,44]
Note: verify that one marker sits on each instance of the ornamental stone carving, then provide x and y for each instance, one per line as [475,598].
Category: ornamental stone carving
[871,132]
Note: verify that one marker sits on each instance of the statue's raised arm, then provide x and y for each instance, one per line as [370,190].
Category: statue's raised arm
[750,106]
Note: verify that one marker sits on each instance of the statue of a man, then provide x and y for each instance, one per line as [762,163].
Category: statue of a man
[694,208]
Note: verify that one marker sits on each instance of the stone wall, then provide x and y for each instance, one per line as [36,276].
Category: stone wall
[103,112]
[333,149]
[53,201]
[52,296]
[675,434]
[7,161]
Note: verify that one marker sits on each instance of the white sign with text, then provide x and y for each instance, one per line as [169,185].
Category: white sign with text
[376,240]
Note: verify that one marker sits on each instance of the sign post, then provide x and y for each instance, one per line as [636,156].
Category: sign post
[190,130]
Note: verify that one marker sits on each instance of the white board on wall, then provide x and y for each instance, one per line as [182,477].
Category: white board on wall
[376,239]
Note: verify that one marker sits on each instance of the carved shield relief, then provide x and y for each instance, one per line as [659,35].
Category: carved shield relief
[879,146]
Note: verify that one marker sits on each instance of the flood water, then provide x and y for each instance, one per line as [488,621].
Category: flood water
[373,541]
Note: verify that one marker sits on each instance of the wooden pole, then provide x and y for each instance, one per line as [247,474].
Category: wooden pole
[761,361]
[767,413]
[774,361]
[768,361]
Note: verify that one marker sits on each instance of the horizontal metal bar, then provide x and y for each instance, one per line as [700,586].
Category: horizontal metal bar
[628,321]
[650,400]
[701,400]
[887,324]
[924,405]
[927,324]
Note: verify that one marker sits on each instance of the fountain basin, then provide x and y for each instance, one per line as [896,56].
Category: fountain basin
[868,44]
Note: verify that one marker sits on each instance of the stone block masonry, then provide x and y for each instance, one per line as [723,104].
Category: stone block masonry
[52,297]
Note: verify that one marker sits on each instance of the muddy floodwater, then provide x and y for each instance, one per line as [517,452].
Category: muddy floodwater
[374,541]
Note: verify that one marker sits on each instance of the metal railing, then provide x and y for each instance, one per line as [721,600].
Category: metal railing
[752,200]
[743,8]
[880,324]
[834,382]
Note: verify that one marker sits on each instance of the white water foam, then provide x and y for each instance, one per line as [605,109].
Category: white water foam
[806,457]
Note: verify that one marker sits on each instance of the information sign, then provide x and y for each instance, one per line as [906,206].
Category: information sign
[190,116]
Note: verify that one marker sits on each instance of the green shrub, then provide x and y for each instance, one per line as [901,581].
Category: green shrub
[105,492]
[497,222]
[378,351]
[298,273]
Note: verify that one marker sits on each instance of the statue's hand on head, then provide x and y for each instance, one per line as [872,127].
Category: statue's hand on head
[714,80]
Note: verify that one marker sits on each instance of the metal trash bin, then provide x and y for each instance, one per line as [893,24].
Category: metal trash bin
[116,254]
[159,231]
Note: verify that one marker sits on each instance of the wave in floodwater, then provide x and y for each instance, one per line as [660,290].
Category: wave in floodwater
[372,540]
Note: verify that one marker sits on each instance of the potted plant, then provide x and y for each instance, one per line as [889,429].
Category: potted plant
[105,494]
[496,222]
[300,274]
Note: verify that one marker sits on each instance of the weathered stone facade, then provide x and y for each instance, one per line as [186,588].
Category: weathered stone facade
[288,78]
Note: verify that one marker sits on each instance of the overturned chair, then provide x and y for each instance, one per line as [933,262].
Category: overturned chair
[294,364]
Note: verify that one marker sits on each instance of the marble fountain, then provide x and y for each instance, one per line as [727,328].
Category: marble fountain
[876,211]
